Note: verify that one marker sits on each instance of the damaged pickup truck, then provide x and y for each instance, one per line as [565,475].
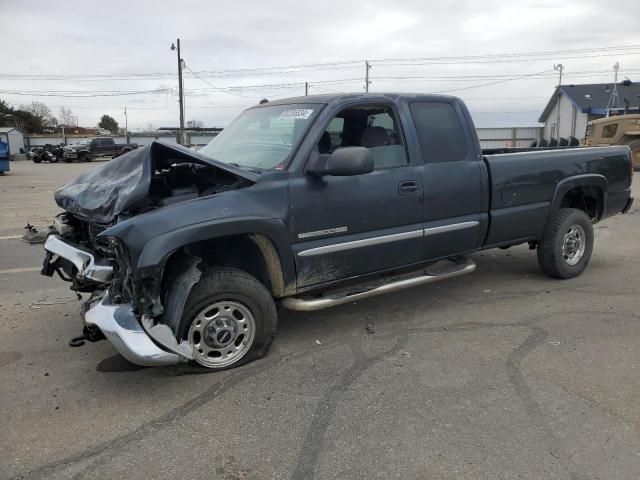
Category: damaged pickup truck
[308,203]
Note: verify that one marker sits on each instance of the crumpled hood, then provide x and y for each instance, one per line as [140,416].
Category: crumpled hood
[106,191]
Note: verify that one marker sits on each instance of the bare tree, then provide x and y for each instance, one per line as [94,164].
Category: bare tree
[40,110]
[67,118]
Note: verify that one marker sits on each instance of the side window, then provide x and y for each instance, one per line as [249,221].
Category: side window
[440,132]
[609,131]
[371,126]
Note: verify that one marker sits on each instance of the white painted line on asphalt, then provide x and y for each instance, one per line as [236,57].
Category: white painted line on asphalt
[10,237]
[4,207]
[20,270]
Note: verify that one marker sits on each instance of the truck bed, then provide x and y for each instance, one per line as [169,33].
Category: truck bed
[524,182]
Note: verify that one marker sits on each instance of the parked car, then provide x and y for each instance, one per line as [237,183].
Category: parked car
[89,148]
[308,203]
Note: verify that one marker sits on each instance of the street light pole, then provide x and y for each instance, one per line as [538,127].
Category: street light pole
[180,95]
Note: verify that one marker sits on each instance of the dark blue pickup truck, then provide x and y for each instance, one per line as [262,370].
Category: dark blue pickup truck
[89,148]
[308,203]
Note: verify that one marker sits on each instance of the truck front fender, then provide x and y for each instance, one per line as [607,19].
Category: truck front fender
[160,247]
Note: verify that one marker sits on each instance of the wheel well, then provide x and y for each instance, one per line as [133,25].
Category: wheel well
[253,253]
[588,198]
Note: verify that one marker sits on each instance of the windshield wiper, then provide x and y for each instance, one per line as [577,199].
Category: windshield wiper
[245,167]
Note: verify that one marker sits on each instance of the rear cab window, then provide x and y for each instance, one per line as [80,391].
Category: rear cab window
[440,132]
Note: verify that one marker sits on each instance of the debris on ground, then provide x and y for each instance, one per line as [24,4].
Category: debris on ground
[33,236]
[370,328]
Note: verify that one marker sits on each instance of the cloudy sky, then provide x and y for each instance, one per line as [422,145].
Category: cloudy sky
[90,56]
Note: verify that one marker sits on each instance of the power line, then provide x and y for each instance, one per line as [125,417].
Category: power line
[213,86]
[490,83]
[487,58]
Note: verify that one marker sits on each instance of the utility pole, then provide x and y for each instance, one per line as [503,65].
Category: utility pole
[558,68]
[306,88]
[613,99]
[126,125]
[180,95]
[366,75]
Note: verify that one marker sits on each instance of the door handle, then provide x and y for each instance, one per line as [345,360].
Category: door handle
[408,187]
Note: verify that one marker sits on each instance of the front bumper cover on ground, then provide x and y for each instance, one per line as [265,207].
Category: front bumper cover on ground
[120,326]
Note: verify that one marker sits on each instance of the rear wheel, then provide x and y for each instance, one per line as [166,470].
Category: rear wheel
[229,319]
[567,244]
[84,157]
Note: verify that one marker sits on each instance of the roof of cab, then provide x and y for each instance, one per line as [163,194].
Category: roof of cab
[353,97]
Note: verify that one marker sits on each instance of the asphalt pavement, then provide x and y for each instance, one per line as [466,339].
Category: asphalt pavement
[501,374]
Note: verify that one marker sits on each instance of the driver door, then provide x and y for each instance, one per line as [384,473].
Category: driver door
[343,227]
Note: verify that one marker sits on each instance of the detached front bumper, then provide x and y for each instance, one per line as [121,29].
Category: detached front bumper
[87,265]
[120,326]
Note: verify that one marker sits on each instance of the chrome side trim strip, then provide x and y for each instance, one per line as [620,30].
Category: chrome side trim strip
[367,242]
[450,228]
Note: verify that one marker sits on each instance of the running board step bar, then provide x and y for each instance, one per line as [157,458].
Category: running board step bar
[434,273]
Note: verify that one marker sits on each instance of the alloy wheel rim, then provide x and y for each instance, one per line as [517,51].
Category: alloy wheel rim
[222,333]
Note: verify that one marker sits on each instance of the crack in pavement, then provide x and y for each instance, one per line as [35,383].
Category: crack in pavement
[168,418]
[309,454]
[312,445]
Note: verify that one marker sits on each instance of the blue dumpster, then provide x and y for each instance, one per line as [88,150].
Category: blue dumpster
[4,157]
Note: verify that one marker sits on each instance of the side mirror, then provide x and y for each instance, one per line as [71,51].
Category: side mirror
[344,162]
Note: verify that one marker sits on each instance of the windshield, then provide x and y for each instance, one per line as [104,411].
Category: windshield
[262,137]
[84,141]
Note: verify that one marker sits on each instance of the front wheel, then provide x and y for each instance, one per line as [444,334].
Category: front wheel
[567,244]
[229,319]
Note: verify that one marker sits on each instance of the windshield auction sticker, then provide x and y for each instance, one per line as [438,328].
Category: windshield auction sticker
[297,113]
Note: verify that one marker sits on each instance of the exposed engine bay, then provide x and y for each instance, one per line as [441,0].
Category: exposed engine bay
[155,176]
[143,180]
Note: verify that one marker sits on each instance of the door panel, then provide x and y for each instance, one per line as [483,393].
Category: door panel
[453,196]
[453,177]
[347,226]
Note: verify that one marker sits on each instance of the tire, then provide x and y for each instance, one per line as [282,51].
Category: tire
[572,229]
[635,154]
[243,296]
[84,157]
[37,159]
